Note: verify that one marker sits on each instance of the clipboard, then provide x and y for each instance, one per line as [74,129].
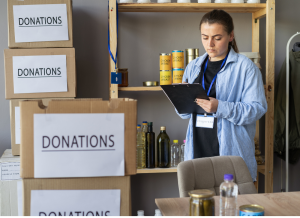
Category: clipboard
[183,96]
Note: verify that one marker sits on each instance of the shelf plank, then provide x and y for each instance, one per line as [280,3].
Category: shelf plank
[142,88]
[261,169]
[190,7]
[157,170]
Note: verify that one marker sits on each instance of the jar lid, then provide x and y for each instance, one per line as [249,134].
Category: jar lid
[201,193]
[122,69]
[165,54]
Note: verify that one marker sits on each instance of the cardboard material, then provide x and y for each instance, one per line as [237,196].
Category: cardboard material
[53,44]
[29,108]
[71,72]
[15,147]
[120,183]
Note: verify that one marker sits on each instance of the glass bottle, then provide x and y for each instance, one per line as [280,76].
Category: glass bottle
[228,196]
[141,150]
[182,147]
[175,158]
[150,147]
[163,149]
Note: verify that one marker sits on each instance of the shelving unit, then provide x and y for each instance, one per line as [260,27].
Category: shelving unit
[258,11]
[157,170]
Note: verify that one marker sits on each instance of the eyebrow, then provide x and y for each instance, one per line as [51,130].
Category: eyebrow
[212,36]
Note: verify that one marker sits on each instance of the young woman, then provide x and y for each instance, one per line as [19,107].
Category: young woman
[235,88]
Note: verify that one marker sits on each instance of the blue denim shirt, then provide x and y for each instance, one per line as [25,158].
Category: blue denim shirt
[242,101]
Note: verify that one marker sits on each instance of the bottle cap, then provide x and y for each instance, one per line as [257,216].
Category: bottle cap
[140,213]
[157,211]
[162,128]
[184,141]
[228,177]
[175,141]
[139,126]
[150,123]
[145,123]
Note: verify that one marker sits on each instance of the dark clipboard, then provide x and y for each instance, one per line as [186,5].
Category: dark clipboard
[183,96]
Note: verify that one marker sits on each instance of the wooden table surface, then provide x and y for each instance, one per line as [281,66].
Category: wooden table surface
[275,204]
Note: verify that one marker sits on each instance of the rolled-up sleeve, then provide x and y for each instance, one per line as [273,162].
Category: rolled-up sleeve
[253,104]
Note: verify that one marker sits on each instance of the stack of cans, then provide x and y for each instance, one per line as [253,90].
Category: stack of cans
[178,65]
[165,69]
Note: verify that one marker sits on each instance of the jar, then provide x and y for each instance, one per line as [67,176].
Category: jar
[202,203]
[124,72]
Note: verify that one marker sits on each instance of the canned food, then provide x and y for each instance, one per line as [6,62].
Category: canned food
[191,54]
[177,75]
[252,210]
[165,77]
[178,59]
[202,203]
[165,61]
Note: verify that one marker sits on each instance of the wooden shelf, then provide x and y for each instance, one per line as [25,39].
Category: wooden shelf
[158,170]
[261,169]
[191,7]
[142,88]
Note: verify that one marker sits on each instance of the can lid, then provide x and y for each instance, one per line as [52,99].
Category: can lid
[252,208]
[165,54]
[162,128]
[177,51]
[228,177]
[175,141]
[192,51]
[203,193]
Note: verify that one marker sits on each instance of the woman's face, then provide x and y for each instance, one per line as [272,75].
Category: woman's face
[215,40]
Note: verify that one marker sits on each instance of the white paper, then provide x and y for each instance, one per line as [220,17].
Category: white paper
[75,202]
[20,198]
[84,157]
[17,126]
[205,122]
[39,74]
[40,23]
[10,171]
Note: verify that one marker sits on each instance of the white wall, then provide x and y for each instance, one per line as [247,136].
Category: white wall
[142,36]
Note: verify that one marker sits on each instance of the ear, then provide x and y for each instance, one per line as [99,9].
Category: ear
[231,36]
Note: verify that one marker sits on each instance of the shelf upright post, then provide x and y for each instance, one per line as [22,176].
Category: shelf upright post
[112,17]
[270,86]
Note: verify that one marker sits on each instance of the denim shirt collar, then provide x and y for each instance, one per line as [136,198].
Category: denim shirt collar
[232,57]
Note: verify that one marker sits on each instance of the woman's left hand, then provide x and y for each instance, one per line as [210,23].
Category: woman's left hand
[210,106]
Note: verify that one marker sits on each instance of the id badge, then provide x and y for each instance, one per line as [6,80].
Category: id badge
[116,78]
[205,121]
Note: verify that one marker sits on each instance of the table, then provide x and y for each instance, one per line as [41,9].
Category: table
[275,204]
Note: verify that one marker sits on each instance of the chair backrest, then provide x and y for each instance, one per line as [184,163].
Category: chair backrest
[208,173]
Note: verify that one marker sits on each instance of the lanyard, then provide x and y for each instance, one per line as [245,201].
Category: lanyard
[111,55]
[205,68]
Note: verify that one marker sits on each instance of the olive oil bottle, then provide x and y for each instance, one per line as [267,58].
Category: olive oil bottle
[150,147]
[163,149]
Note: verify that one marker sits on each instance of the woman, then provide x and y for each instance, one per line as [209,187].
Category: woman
[235,88]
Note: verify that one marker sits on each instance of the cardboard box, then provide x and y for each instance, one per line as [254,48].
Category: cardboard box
[15,142]
[9,184]
[41,44]
[70,72]
[121,183]
[78,106]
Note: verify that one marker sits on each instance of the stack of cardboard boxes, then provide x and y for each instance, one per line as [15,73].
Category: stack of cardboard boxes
[76,155]
[40,63]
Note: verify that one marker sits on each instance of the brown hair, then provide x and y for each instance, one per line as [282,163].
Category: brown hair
[223,18]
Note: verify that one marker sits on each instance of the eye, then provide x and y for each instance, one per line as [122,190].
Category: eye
[218,39]
[205,38]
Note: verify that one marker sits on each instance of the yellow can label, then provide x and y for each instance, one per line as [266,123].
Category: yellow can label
[166,77]
[177,75]
[165,62]
[178,59]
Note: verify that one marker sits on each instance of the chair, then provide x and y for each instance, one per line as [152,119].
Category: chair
[208,173]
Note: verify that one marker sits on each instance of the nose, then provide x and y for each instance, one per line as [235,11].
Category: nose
[211,43]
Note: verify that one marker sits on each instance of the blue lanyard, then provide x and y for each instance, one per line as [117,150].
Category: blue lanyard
[205,68]
[111,55]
